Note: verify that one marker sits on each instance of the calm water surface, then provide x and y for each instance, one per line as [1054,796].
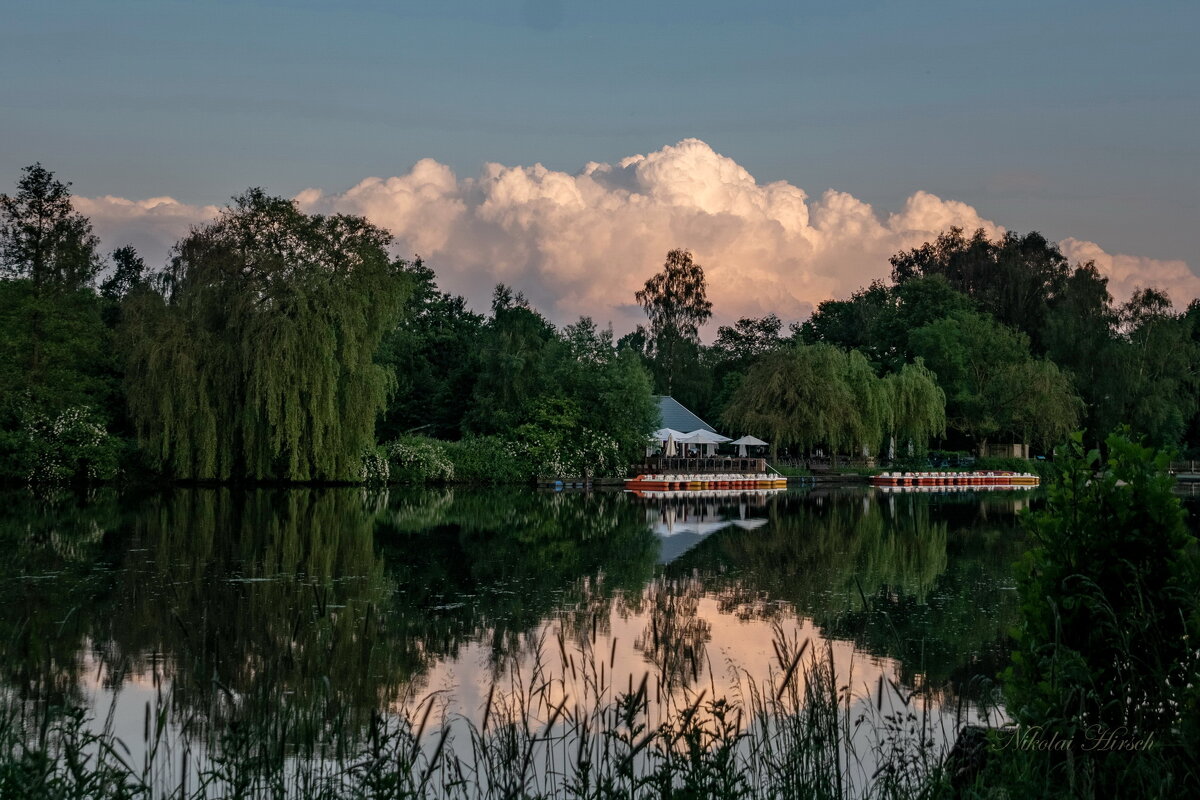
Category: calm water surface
[220,605]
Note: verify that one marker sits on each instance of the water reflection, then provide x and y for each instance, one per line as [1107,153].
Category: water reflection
[329,605]
[923,579]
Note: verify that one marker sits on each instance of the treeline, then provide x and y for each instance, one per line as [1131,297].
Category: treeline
[1023,346]
[279,345]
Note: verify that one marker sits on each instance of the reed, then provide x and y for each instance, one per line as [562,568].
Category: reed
[560,726]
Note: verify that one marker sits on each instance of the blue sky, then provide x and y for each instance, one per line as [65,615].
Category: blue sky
[1077,119]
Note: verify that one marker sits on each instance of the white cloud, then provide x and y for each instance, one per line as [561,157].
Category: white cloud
[153,226]
[1126,273]
[584,243]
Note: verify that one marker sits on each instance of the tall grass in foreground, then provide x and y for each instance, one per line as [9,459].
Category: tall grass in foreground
[561,728]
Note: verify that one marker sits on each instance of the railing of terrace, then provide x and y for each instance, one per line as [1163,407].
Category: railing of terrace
[701,465]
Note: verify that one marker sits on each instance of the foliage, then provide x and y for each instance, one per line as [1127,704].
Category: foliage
[69,447]
[1157,368]
[806,395]
[487,461]
[128,273]
[571,402]
[993,385]
[376,468]
[1016,278]
[258,362]
[611,391]
[870,410]
[55,351]
[1110,610]
[55,356]
[916,405]
[676,303]
[878,319]
[42,237]
[1042,468]
[434,353]
[791,397]
[863,322]
[417,459]
[569,453]
[514,364]
[747,339]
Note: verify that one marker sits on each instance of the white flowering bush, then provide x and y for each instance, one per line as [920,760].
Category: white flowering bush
[579,453]
[375,469]
[417,459]
[530,453]
[601,454]
[71,446]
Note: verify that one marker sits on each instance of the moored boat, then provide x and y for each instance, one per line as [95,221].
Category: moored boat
[697,483]
[937,479]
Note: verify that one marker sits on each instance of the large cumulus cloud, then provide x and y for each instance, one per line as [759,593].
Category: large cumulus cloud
[583,243]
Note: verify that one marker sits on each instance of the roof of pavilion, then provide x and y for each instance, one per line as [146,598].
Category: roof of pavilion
[676,415]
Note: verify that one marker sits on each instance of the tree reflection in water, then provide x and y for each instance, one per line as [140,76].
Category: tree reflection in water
[327,604]
[920,578]
[295,613]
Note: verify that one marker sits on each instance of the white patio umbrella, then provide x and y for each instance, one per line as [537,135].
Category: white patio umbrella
[705,438]
[747,441]
[668,436]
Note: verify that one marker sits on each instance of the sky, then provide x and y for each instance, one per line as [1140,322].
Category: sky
[565,146]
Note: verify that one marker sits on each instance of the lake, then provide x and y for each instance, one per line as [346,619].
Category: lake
[194,621]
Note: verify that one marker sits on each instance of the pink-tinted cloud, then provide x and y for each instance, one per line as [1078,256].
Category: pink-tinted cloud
[153,226]
[583,243]
[1126,274]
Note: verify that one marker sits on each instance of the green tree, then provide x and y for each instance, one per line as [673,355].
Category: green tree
[878,319]
[55,351]
[916,405]
[868,415]
[608,385]
[129,271]
[434,352]
[514,360]
[42,237]
[735,349]
[56,356]
[797,396]
[676,302]
[737,345]
[1158,368]
[993,385]
[1081,338]
[259,361]
[862,323]
[1016,278]
[1192,437]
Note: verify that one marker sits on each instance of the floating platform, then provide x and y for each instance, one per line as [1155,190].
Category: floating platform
[702,482]
[694,494]
[1012,487]
[965,480]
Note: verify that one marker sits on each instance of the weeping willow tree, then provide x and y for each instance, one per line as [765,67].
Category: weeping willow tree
[794,396]
[256,359]
[818,394]
[916,405]
[868,415]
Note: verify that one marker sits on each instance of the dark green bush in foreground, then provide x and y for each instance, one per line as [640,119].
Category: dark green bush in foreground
[1108,642]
